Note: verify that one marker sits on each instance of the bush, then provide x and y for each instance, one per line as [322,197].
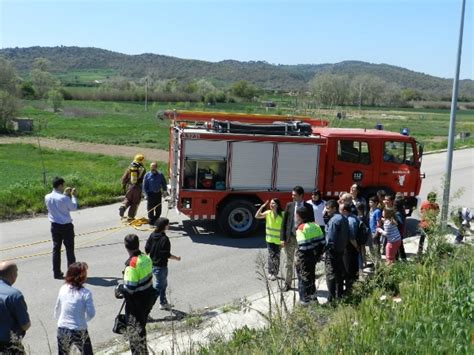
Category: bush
[55,99]
[27,91]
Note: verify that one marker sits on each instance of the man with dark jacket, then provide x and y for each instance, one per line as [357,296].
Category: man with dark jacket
[158,247]
[337,237]
[288,230]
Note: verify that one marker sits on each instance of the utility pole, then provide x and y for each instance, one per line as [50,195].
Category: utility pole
[452,121]
[146,94]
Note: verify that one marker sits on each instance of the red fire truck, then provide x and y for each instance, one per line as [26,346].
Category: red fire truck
[223,165]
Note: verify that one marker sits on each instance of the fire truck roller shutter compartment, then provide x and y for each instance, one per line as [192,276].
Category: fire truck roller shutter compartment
[205,149]
[251,166]
[297,165]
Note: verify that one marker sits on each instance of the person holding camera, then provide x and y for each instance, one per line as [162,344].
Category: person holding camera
[60,202]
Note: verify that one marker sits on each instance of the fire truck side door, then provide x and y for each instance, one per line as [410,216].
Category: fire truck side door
[350,163]
[398,169]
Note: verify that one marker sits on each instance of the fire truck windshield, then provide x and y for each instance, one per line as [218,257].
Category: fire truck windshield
[398,152]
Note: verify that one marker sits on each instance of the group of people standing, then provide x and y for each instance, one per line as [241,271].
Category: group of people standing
[337,231]
[74,305]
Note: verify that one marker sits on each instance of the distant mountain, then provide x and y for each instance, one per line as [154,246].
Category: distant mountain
[223,73]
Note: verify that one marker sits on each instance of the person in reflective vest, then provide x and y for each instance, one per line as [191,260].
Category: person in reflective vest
[132,181]
[139,294]
[310,245]
[273,220]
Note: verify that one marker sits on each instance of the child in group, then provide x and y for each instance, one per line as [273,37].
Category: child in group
[390,231]
[367,241]
[375,215]
[273,220]
[158,247]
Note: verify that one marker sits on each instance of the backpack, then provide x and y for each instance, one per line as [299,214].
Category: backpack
[363,233]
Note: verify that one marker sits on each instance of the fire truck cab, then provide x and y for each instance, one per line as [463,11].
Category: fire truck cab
[223,166]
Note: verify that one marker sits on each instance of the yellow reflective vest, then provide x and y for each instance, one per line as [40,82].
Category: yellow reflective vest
[138,274]
[273,227]
[308,235]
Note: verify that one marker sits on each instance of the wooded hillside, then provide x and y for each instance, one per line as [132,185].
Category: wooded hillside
[222,74]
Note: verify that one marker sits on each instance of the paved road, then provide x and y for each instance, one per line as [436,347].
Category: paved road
[214,269]
[462,177]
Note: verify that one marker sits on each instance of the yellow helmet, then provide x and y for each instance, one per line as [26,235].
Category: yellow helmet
[138,158]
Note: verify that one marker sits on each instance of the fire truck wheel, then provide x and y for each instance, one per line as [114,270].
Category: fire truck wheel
[237,218]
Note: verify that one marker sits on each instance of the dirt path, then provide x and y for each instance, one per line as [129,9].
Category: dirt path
[106,149]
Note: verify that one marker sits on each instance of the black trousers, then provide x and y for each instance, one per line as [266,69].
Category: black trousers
[351,266]
[62,233]
[306,271]
[153,200]
[334,273]
[136,333]
[79,338]
[273,258]
[137,309]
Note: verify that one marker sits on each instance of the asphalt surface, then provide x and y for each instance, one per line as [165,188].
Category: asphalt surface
[214,270]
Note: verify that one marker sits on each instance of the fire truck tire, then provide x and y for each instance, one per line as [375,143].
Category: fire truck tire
[237,218]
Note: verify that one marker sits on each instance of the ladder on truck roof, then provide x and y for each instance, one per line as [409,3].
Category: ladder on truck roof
[203,116]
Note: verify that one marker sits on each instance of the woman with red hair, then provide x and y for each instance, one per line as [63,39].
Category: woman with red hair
[74,307]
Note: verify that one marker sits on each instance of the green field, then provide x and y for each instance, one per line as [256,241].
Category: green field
[85,77]
[127,123]
[96,177]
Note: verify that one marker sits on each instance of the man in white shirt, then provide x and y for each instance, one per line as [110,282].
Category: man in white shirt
[59,203]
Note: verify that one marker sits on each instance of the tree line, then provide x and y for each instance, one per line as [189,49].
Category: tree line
[325,89]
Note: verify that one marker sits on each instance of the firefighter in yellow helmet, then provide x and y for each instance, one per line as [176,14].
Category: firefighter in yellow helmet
[132,181]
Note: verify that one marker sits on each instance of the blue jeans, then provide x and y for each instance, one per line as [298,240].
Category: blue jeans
[161,282]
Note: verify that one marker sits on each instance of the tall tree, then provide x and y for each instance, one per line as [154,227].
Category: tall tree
[330,89]
[8,77]
[243,89]
[8,101]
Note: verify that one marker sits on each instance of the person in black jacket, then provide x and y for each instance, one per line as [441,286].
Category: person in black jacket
[158,247]
[288,230]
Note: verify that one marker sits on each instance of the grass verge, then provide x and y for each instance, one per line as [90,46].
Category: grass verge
[22,190]
[432,313]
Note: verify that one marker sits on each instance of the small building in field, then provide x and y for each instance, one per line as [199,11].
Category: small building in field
[22,124]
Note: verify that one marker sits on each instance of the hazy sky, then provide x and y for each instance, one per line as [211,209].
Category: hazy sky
[420,35]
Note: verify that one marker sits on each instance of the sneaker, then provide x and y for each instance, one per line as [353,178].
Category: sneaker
[166,306]
[121,211]
[59,276]
[303,303]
